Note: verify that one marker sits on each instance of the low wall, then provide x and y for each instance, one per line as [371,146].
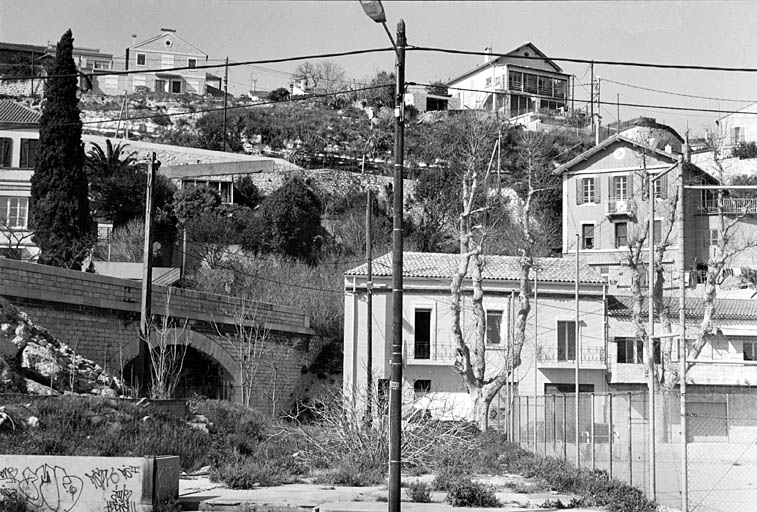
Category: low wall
[87,484]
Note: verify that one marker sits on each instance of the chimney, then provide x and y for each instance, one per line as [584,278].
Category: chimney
[686,149]
[488,56]
[668,149]
[167,29]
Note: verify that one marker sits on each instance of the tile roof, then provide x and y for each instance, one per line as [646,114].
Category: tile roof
[733,309]
[500,268]
[12,112]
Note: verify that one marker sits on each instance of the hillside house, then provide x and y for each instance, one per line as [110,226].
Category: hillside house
[157,57]
[605,202]
[19,136]
[522,81]
[428,345]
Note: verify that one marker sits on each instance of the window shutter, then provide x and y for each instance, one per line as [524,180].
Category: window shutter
[630,186]
[579,190]
[610,187]
[597,191]
[596,234]
[664,187]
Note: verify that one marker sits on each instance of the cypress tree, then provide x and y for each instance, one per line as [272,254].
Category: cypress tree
[60,217]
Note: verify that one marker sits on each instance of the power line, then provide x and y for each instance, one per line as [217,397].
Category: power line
[677,93]
[590,61]
[98,72]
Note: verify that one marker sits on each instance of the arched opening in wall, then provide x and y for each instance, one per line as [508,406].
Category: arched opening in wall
[203,375]
[191,372]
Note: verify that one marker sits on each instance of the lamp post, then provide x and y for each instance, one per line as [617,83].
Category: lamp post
[375,11]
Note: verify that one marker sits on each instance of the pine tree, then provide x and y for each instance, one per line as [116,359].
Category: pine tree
[59,207]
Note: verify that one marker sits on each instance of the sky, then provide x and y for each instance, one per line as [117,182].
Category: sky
[716,33]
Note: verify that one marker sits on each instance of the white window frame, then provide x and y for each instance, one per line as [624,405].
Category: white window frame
[501,326]
[620,184]
[191,62]
[567,334]
[432,330]
[593,236]
[19,204]
[753,344]
[144,58]
[588,190]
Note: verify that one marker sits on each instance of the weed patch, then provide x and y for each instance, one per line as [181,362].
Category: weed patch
[419,492]
[466,493]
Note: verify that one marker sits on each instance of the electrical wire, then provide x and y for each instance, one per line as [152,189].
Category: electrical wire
[676,93]
[590,61]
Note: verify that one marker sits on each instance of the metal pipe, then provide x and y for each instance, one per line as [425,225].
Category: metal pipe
[577,355]
[682,348]
[650,346]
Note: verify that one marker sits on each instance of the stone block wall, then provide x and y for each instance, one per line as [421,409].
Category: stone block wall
[98,317]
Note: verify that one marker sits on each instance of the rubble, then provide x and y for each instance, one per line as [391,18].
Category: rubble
[34,361]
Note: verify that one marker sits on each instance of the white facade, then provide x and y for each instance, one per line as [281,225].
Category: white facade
[17,152]
[524,80]
[429,377]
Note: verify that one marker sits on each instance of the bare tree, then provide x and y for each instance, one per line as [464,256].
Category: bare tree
[728,246]
[476,151]
[168,349]
[13,239]
[252,341]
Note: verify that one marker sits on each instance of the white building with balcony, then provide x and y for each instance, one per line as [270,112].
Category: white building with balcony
[522,81]
[428,344]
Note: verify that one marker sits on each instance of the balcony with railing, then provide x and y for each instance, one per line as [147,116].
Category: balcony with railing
[426,353]
[731,206]
[620,208]
[565,357]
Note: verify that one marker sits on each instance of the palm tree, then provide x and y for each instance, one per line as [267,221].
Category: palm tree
[116,183]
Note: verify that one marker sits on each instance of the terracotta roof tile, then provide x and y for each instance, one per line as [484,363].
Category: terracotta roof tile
[734,309]
[438,265]
[12,112]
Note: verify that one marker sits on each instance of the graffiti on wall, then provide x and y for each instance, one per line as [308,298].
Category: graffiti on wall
[53,486]
[45,487]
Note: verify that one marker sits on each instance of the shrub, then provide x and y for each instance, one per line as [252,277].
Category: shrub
[448,477]
[13,503]
[472,494]
[419,492]
[355,471]
[248,472]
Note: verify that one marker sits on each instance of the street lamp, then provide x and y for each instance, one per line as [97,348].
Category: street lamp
[375,11]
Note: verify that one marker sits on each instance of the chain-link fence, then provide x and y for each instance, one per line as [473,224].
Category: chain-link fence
[614,433]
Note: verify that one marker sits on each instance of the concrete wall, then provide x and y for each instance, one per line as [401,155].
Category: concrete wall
[74,484]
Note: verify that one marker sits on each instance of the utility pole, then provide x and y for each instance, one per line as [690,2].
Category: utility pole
[596,99]
[591,102]
[650,346]
[395,383]
[618,104]
[225,97]
[578,354]
[369,307]
[682,340]
[146,302]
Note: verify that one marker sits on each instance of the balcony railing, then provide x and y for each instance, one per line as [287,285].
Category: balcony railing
[731,206]
[558,356]
[426,353]
[620,207]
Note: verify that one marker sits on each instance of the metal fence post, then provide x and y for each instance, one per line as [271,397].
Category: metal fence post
[630,436]
[528,425]
[545,423]
[564,428]
[610,432]
[554,425]
[593,451]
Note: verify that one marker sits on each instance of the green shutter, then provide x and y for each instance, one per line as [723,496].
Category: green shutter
[610,187]
[579,191]
[597,191]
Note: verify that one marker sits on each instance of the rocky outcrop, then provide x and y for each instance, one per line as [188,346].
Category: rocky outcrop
[34,361]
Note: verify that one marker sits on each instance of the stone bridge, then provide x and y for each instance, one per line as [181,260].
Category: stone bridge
[98,317]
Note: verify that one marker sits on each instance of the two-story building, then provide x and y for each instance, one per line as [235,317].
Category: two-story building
[522,81]
[19,136]
[164,51]
[428,343]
